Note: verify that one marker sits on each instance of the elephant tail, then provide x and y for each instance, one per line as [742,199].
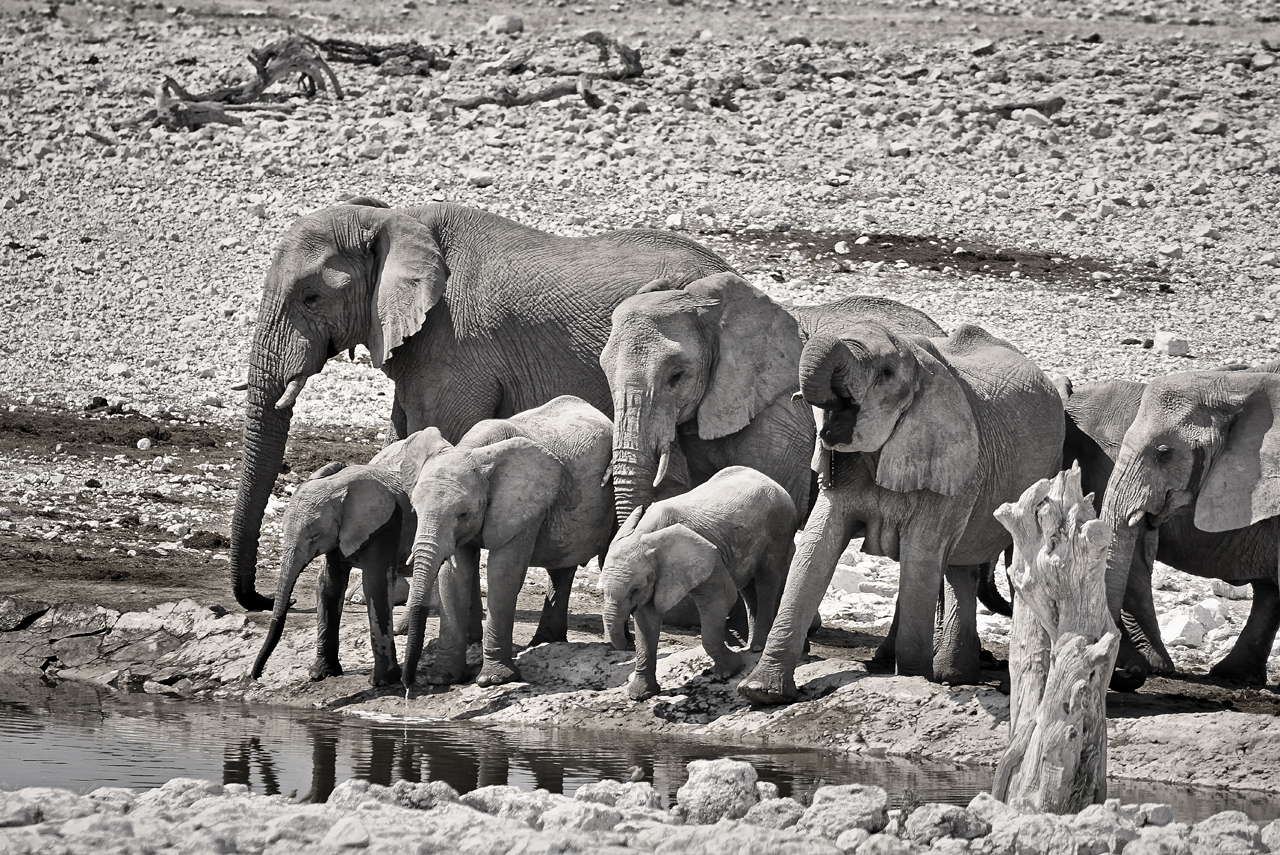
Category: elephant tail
[989,593]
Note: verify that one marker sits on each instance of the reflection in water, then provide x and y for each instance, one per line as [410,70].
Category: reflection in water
[80,736]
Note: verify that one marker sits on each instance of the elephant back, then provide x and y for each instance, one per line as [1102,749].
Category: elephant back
[834,317]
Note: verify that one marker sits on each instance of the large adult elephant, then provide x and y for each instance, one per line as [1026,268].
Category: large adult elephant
[471,315]
[922,439]
[702,377]
[1196,483]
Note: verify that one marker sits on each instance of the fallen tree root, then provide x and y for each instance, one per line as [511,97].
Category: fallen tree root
[509,96]
[399,58]
[177,109]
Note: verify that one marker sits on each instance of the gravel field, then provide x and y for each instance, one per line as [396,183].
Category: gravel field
[1077,178]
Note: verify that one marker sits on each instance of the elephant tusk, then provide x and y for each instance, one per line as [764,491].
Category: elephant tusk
[663,462]
[797,396]
[1136,517]
[291,393]
[608,475]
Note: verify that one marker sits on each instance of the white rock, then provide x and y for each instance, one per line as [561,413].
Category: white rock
[144,444]
[1170,250]
[1230,592]
[347,833]
[119,369]
[501,25]
[675,221]
[1211,613]
[842,247]
[1034,118]
[1207,123]
[478,177]
[1171,344]
[847,579]
[1181,627]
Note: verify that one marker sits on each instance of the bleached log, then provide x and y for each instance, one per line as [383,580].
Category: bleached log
[1061,651]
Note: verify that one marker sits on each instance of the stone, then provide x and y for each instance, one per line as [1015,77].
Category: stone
[766,790]
[1171,344]
[1222,829]
[841,247]
[775,813]
[1158,814]
[1262,61]
[181,792]
[983,47]
[1204,230]
[423,796]
[850,840]
[675,221]
[1209,122]
[726,836]
[119,369]
[1105,822]
[505,25]
[899,149]
[1199,187]
[347,833]
[1034,118]
[1170,250]
[1270,259]
[638,795]
[847,579]
[716,790]
[478,177]
[512,802]
[930,821]
[604,792]
[883,844]
[1162,840]
[1271,835]
[835,809]
[1227,591]
[144,444]
[1211,613]
[1181,628]
[1043,834]
[584,817]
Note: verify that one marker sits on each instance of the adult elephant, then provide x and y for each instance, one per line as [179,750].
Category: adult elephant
[702,377]
[922,439]
[471,315]
[1195,484]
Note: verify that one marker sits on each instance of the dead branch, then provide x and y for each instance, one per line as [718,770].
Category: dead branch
[1061,651]
[415,58]
[510,96]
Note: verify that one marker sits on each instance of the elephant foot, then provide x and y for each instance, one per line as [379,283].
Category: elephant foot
[966,673]
[321,669]
[255,602]
[1239,672]
[1128,679]
[885,654]
[549,636]
[642,687]
[496,673]
[769,685]
[401,625]
[726,665]
[389,677]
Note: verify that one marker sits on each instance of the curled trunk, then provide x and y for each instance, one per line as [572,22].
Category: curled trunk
[826,368]
[615,624]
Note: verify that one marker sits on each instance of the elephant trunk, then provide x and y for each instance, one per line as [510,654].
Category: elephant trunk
[428,555]
[1125,510]
[634,467]
[615,624]
[268,413]
[826,368]
[291,565]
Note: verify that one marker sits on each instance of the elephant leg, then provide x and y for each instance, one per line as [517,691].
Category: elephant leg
[331,584]
[507,568]
[820,545]
[1247,661]
[922,560]
[456,580]
[553,623]
[884,654]
[644,682]
[378,565]
[956,659]
[715,598]
[767,587]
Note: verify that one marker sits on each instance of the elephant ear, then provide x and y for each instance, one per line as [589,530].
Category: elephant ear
[367,507]
[935,443]
[524,482]
[1242,486]
[326,470]
[367,201]
[630,523]
[410,277]
[685,560]
[757,345]
[418,448]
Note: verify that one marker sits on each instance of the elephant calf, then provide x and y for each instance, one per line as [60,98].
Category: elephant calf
[531,489]
[730,534]
[356,516]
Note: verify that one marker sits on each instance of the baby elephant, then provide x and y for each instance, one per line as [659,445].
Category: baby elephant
[356,516]
[730,534]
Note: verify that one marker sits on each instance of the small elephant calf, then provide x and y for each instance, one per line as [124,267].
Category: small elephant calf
[356,516]
[733,533]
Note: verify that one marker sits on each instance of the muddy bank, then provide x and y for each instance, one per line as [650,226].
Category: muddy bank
[1159,734]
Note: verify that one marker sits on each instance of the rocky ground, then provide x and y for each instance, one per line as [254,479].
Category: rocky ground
[1077,180]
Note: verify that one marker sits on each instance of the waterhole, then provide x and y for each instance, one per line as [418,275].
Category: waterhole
[79,736]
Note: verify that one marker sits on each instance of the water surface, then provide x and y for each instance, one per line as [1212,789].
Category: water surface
[80,736]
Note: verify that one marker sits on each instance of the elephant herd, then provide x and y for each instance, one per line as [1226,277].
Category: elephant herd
[749,443]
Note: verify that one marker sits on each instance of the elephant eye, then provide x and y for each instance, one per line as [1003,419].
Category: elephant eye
[1163,453]
[676,376]
[311,300]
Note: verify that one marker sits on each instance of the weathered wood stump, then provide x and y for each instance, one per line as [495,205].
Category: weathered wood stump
[1061,651]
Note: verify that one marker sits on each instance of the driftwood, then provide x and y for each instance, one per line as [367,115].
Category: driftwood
[176,108]
[507,95]
[1061,651]
[399,58]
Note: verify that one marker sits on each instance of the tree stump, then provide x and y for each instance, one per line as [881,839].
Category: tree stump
[1061,651]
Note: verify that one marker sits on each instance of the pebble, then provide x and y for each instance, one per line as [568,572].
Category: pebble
[144,444]
[1171,344]
[478,177]
[675,221]
[502,25]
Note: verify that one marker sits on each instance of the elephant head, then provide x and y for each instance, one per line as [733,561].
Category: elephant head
[486,495]
[1204,440]
[880,392]
[347,275]
[713,353]
[336,509]
[651,568]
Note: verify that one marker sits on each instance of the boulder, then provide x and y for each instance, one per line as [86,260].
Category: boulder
[775,813]
[716,790]
[928,822]
[1228,832]
[584,817]
[510,802]
[836,809]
